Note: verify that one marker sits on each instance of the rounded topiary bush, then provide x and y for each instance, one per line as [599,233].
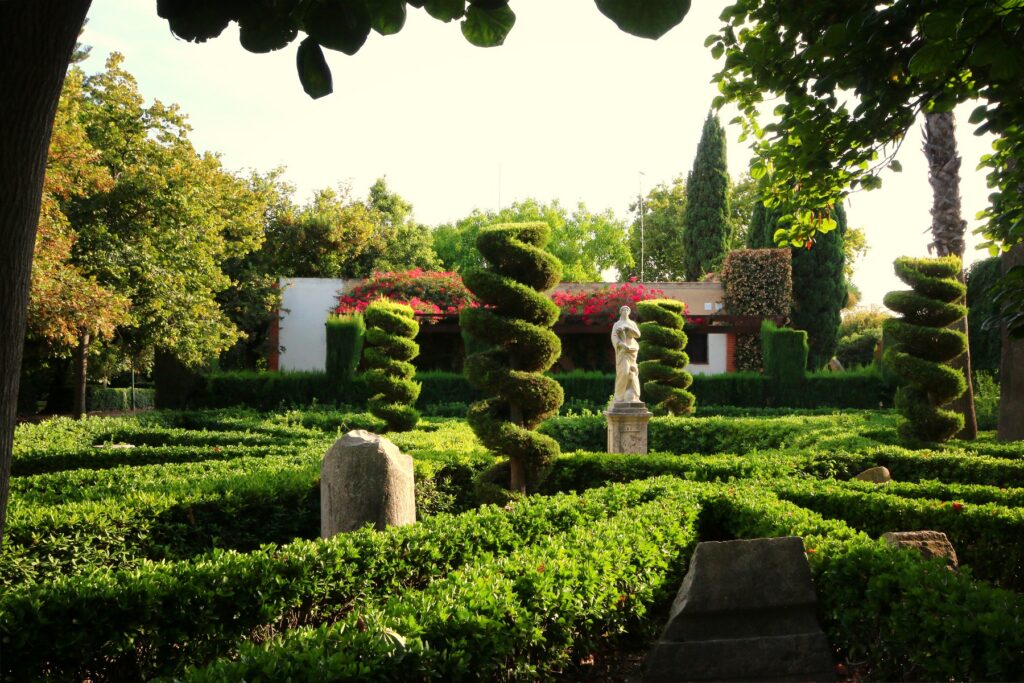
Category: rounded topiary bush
[662,359]
[390,330]
[516,320]
[919,346]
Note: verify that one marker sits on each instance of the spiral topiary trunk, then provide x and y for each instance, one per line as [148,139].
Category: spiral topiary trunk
[390,330]
[516,319]
[920,348]
[662,359]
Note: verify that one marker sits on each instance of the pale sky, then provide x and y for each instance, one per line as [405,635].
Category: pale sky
[570,108]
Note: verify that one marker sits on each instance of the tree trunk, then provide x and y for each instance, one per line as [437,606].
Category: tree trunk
[37,38]
[1011,369]
[81,376]
[518,478]
[948,228]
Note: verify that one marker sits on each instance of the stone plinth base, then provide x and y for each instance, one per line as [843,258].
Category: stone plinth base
[627,427]
[747,611]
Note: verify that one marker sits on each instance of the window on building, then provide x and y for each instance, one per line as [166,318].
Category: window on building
[697,347]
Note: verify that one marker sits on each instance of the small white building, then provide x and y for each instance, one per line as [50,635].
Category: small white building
[301,341]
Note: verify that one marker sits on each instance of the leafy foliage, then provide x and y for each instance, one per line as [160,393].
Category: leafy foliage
[345,337]
[920,346]
[757,282]
[899,59]
[586,243]
[64,303]
[424,292]
[985,339]
[515,320]
[706,224]
[662,358]
[149,235]
[345,25]
[390,330]
[820,291]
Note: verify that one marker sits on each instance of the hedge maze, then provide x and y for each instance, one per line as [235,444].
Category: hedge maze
[185,545]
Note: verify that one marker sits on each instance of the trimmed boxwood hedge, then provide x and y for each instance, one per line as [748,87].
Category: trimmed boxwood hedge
[160,616]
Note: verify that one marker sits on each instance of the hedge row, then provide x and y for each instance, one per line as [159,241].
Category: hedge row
[276,503]
[707,435]
[987,537]
[898,616]
[863,388]
[162,616]
[526,615]
[108,398]
[106,456]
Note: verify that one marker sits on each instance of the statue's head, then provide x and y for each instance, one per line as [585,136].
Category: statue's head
[624,312]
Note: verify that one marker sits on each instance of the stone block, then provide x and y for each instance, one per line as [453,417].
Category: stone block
[627,426]
[876,475]
[746,611]
[365,479]
[929,543]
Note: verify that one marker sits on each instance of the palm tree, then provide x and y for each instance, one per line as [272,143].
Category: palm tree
[948,228]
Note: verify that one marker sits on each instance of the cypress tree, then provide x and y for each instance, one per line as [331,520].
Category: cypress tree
[819,291]
[706,222]
[763,224]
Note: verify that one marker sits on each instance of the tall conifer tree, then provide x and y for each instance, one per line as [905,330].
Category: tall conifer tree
[820,291]
[706,223]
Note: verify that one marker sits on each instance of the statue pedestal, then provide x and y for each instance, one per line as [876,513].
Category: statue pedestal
[627,427]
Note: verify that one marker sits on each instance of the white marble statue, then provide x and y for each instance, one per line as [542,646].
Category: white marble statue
[627,376]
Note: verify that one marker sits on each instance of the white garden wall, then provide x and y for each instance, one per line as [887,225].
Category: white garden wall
[305,304]
[717,357]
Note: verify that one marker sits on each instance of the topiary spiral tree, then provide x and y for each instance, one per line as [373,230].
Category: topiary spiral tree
[662,359]
[919,345]
[516,319]
[389,346]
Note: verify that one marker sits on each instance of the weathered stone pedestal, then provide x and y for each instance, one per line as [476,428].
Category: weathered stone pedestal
[365,479]
[745,612]
[627,426]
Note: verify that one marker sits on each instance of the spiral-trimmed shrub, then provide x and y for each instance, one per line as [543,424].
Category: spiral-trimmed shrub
[516,319]
[390,330]
[662,358]
[919,346]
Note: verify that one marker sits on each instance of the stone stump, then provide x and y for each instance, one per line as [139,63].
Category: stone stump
[746,611]
[627,426]
[365,479]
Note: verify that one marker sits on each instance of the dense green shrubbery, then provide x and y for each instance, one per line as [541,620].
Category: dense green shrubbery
[987,537]
[784,352]
[519,615]
[986,344]
[920,346]
[516,319]
[345,336]
[82,541]
[390,330]
[662,358]
[900,617]
[858,350]
[757,282]
[162,616]
[109,398]
[276,390]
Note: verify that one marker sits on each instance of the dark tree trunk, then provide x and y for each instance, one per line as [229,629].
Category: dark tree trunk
[1011,369]
[37,37]
[948,228]
[81,376]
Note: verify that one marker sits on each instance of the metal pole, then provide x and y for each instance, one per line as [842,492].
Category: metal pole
[133,383]
[640,182]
